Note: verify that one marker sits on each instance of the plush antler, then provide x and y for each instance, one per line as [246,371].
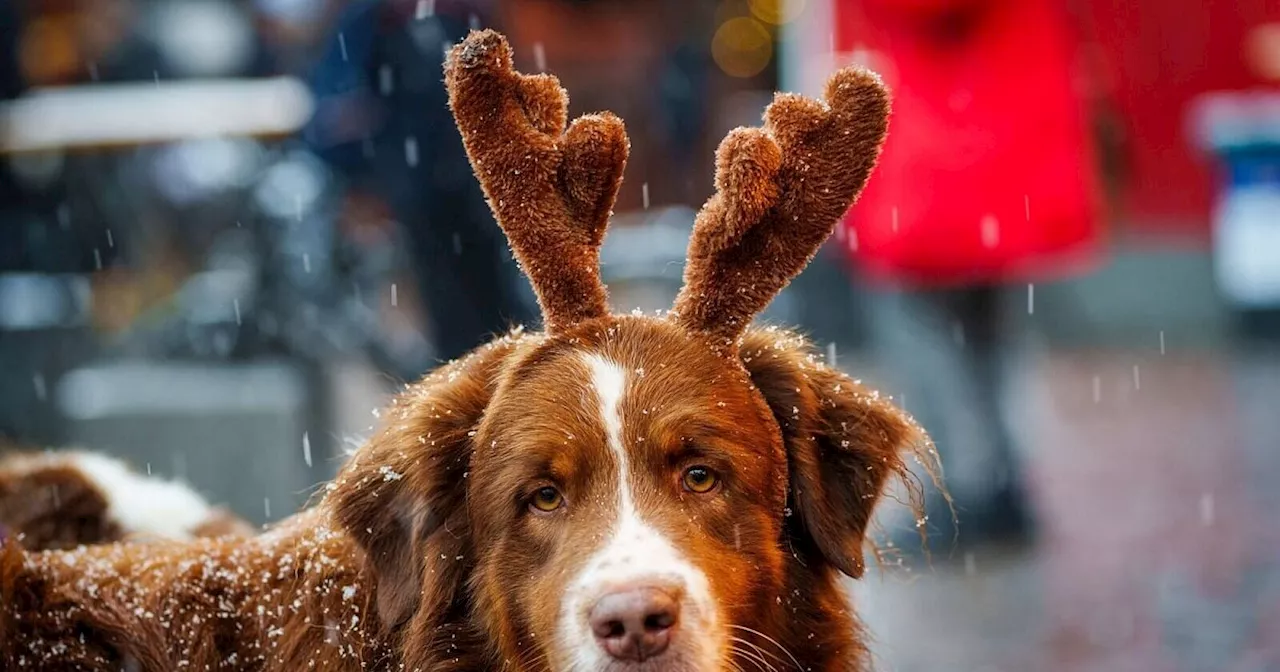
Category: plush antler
[780,191]
[551,190]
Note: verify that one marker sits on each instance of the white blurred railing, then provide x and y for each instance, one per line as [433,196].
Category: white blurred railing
[112,115]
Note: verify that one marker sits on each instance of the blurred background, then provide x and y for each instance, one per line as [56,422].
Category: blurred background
[229,229]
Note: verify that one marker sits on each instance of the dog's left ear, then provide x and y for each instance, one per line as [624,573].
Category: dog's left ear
[844,444]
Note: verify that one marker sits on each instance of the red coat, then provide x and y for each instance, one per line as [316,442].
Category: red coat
[988,173]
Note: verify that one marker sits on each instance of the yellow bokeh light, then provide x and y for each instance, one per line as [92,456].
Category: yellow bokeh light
[48,52]
[742,47]
[776,12]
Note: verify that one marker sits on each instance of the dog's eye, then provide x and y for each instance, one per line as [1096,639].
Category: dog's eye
[699,479]
[547,499]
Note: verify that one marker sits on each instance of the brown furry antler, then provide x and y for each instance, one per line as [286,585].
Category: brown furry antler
[551,190]
[779,192]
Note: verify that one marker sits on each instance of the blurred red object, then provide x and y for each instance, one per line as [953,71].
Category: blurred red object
[1167,53]
[989,171]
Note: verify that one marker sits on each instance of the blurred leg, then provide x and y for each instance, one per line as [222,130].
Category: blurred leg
[466,277]
[980,353]
[940,351]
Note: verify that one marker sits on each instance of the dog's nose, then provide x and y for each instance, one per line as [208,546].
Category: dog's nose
[635,623]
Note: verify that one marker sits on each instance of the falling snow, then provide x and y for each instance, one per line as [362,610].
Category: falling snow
[411,151]
[990,231]
[539,57]
[1206,508]
[386,81]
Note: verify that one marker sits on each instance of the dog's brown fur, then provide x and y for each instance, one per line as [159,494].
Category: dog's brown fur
[423,555]
[49,502]
[55,508]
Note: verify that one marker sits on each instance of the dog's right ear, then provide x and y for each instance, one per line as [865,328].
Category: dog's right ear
[402,496]
[844,444]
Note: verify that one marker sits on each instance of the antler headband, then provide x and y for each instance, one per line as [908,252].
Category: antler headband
[780,189]
[551,190]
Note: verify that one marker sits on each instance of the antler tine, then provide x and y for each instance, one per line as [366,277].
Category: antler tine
[780,191]
[551,190]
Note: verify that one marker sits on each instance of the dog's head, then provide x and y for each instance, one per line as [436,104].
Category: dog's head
[631,492]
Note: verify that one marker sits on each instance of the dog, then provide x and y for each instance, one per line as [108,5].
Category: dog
[58,501]
[680,491]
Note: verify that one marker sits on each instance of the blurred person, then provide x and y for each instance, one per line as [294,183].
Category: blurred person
[382,120]
[988,181]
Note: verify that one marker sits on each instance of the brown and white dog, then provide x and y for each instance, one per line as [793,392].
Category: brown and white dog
[52,501]
[621,492]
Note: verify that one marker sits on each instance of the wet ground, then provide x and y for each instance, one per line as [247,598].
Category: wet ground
[1156,479]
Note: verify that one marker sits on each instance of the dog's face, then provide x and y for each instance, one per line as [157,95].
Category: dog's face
[628,494]
[621,498]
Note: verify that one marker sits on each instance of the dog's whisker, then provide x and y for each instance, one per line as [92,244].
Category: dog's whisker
[770,640]
[758,660]
[761,651]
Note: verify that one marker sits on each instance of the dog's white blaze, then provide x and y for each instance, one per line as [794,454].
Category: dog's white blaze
[610,381]
[149,506]
[635,552]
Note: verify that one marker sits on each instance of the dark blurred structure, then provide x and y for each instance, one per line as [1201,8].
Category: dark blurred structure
[46,251]
[132,316]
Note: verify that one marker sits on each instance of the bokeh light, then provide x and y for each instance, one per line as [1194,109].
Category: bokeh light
[742,47]
[47,49]
[777,12]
